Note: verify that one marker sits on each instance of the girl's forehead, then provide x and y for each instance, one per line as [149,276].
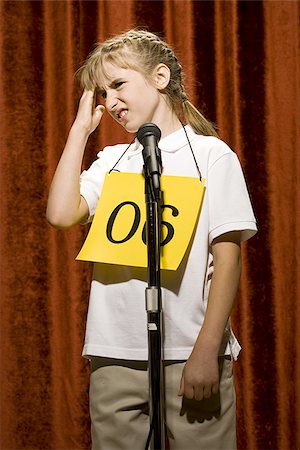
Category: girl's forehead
[111,71]
[116,62]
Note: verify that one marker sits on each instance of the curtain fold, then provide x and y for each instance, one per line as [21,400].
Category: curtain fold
[283,165]
[241,62]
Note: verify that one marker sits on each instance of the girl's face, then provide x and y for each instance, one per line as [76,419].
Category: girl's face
[133,100]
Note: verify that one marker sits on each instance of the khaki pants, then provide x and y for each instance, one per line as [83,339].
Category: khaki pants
[119,409]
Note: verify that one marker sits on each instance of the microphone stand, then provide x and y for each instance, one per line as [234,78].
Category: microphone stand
[154,314]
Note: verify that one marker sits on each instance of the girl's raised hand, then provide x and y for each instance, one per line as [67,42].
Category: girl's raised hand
[88,115]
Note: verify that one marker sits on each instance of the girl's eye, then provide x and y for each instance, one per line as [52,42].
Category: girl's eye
[119,84]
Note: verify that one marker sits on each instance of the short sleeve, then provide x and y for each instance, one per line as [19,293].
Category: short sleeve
[230,207]
[91,182]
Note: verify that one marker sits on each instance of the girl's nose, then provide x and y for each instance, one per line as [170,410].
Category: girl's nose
[111,102]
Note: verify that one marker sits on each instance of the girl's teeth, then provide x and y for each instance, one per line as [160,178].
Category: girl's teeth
[122,114]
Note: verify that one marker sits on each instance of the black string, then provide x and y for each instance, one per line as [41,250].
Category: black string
[113,168]
[198,170]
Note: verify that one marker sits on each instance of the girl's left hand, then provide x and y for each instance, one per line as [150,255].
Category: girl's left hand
[200,377]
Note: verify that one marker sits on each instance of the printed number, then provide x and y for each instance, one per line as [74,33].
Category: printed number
[112,218]
[136,222]
[170,227]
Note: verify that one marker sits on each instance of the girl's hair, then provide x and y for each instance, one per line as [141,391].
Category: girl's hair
[142,51]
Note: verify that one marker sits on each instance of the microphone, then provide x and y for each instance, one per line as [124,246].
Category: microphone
[148,135]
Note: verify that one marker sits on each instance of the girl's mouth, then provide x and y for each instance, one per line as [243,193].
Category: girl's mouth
[121,116]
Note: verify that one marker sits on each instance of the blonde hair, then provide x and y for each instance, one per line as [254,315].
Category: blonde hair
[142,51]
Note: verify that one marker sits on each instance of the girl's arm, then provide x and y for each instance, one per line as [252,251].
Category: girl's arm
[65,206]
[200,378]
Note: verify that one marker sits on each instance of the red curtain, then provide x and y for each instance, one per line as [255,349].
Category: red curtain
[241,60]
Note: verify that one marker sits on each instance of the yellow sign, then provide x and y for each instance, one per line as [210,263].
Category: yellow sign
[117,233]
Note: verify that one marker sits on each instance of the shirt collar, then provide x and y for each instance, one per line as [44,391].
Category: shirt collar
[170,144]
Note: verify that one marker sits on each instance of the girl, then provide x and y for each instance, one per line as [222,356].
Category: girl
[140,80]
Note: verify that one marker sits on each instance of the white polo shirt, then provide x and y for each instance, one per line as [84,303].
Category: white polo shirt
[117,319]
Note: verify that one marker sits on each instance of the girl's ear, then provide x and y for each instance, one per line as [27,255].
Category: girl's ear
[161,76]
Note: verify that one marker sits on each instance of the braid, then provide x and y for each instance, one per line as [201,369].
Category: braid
[142,51]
